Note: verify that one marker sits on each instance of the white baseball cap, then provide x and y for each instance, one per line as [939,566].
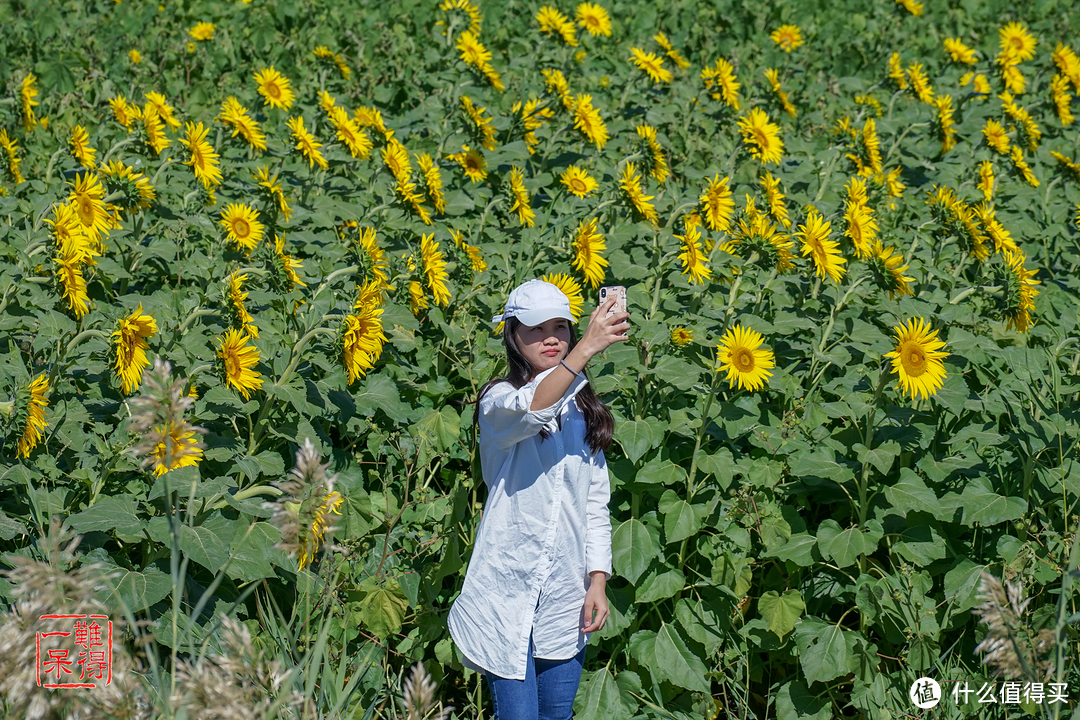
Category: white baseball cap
[536,301]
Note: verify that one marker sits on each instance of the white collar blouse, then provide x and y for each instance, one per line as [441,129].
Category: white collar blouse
[545,527]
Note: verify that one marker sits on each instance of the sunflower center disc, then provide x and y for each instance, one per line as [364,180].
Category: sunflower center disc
[744,360]
[241,228]
[578,186]
[915,361]
[273,90]
[86,211]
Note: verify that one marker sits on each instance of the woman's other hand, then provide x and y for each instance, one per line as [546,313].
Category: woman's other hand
[596,600]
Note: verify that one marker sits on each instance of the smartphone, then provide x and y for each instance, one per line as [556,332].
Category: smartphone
[620,299]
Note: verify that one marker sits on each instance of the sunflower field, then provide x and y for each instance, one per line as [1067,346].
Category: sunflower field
[249,253]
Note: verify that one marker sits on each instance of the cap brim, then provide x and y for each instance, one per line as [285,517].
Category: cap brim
[535,317]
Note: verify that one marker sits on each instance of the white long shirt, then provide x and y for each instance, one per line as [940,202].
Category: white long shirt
[545,527]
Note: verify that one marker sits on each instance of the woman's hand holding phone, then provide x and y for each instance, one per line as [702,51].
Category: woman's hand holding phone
[605,330]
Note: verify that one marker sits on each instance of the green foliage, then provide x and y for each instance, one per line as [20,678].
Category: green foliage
[805,550]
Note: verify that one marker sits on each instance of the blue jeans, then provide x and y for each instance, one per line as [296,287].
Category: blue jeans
[546,693]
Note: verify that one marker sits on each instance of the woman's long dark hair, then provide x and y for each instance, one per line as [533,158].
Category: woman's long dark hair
[599,422]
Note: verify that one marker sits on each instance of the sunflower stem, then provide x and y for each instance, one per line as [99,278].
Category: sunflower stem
[123,143]
[158,173]
[333,276]
[197,313]
[297,348]
[52,162]
[85,335]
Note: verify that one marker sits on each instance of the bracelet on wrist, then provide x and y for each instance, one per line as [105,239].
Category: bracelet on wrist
[576,373]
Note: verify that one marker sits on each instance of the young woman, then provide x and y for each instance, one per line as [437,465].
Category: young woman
[536,583]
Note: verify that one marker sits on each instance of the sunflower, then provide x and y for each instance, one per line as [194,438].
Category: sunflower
[986,179]
[130,347]
[654,153]
[306,143]
[896,72]
[867,157]
[154,129]
[80,147]
[674,55]
[693,260]
[163,108]
[532,118]
[287,264]
[555,84]
[650,64]
[526,215]
[28,91]
[917,358]
[136,191]
[1062,99]
[434,268]
[373,258]
[472,51]
[396,159]
[88,197]
[920,83]
[1017,42]
[945,125]
[788,37]
[124,112]
[721,83]
[959,52]
[433,184]
[571,288]
[272,190]
[275,88]
[996,137]
[761,136]
[717,205]
[11,154]
[554,24]
[472,162]
[861,227]
[746,362]
[237,360]
[775,198]
[912,6]
[630,182]
[773,76]
[332,59]
[587,119]
[1068,63]
[202,31]
[824,252]
[361,338]
[35,404]
[241,223]
[235,295]
[72,283]
[70,236]
[1019,293]
[885,263]
[406,189]
[593,18]
[236,116]
[893,184]
[1017,157]
[135,56]
[681,336]
[354,138]
[577,181]
[1003,241]
[1028,133]
[481,127]
[588,245]
[203,160]
[871,102]
[178,446]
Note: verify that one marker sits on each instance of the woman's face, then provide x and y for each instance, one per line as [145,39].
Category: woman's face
[544,345]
